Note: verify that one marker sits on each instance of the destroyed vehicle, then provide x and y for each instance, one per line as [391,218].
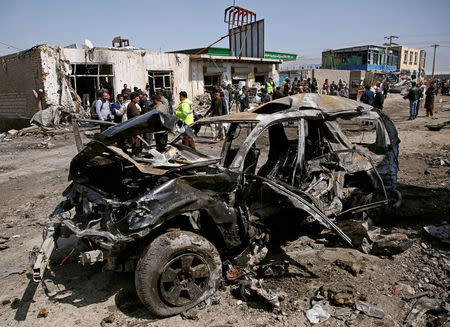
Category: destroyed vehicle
[174,217]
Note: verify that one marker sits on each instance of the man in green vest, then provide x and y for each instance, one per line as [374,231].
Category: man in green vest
[270,85]
[186,113]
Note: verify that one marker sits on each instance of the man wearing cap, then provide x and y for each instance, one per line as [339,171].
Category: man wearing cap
[185,112]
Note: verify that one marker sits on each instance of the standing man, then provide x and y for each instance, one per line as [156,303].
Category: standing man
[368,96]
[429,100]
[102,109]
[333,87]
[244,99]
[265,96]
[413,96]
[218,108]
[118,109]
[385,89]
[169,96]
[314,86]
[224,95]
[277,94]
[147,91]
[160,137]
[162,98]
[186,113]
[422,88]
[125,89]
[270,86]
[133,110]
[158,105]
[379,99]
[286,87]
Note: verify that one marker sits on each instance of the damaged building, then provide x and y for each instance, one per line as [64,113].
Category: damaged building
[69,77]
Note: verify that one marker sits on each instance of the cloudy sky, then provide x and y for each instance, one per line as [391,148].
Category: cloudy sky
[302,27]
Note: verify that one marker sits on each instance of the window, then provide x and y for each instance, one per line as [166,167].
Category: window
[211,81]
[157,80]
[87,78]
[410,57]
[415,58]
[405,58]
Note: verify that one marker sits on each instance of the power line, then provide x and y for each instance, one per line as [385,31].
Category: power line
[10,46]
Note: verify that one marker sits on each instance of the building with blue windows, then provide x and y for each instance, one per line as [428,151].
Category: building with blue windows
[367,57]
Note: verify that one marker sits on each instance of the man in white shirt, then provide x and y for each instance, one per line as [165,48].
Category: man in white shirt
[102,107]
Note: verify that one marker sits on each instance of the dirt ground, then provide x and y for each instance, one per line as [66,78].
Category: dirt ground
[33,174]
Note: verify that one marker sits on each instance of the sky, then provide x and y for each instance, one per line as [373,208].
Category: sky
[302,27]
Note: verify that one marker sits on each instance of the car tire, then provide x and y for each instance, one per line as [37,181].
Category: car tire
[178,270]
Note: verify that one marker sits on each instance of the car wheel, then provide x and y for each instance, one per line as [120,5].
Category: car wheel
[177,271]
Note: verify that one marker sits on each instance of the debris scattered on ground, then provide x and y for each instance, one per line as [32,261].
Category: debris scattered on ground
[354,268]
[12,132]
[317,314]
[107,320]
[5,300]
[191,314]
[339,295]
[391,244]
[255,287]
[442,233]
[370,310]
[5,271]
[422,306]
[43,313]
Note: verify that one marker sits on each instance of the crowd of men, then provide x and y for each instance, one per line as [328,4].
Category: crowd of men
[129,104]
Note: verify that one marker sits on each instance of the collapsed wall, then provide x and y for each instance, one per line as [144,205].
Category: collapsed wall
[20,74]
[34,80]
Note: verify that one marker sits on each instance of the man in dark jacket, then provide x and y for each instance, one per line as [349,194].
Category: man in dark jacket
[277,94]
[379,99]
[218,108]
[133,111]
[429,100]
[413,96]
[368,96]
[244,100]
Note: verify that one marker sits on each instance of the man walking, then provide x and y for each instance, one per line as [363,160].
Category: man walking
[413,96]
[186,113]
[218,108]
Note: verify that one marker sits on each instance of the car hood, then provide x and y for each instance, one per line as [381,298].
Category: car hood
[150,122]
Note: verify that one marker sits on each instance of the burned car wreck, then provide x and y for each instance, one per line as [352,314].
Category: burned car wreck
[174,216]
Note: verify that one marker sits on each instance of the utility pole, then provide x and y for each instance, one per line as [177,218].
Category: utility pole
[390,37]
[434,58]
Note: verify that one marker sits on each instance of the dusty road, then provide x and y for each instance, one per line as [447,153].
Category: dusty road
[33,173]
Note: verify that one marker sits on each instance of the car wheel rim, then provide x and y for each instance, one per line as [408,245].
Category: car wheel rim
[184,279]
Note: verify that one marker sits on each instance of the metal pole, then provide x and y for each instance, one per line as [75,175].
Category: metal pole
[434,59]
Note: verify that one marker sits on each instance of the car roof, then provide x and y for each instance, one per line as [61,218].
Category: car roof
[308,105]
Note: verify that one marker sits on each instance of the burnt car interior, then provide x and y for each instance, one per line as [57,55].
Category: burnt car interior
[287,161]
